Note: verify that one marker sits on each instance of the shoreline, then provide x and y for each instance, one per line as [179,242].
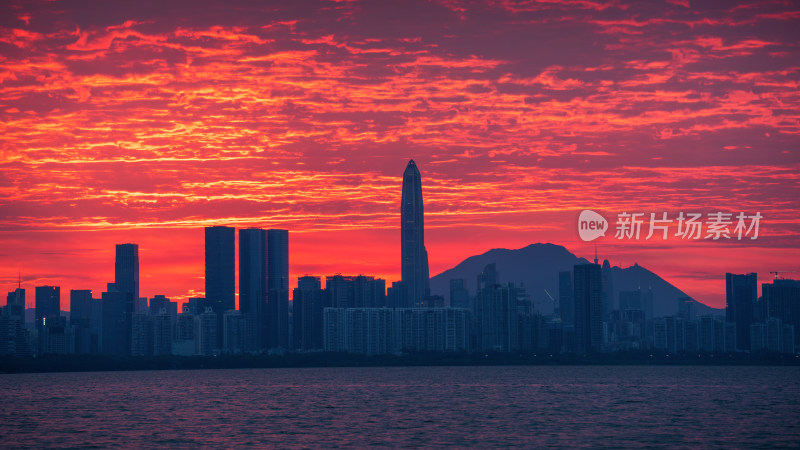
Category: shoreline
[102,363]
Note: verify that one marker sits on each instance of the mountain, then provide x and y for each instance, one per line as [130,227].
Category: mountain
[536,267]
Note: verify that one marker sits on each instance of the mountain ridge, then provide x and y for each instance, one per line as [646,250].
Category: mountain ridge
[536,267]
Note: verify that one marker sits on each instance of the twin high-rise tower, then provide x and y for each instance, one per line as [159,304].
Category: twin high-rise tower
[263,280]
[414,268]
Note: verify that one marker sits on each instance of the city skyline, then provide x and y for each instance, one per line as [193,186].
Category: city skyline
[358,314]
[124,123]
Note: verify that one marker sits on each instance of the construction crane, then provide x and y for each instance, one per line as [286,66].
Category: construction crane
[776,272]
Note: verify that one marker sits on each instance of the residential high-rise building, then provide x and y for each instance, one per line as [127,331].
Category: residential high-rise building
[712,334]
[396,295]
[566,305]
[13,335]
[782,299]
[114,336]
[414,256]
[142,334]
[205,333]
[740,303]
[307,316]
[220,269]
[183,342]
[345,291]
[587,282]
[496,313]
[375,331]
[15,305]
[459,295]
[686,307]
[162,333]
[647,303]
[159,302]
[277,288]
[253,284]
[233,336]
[607,294]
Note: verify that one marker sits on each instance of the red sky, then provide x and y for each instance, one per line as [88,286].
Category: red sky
[146,121]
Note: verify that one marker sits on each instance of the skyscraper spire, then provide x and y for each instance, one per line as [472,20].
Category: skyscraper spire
[414,264]
[595,254]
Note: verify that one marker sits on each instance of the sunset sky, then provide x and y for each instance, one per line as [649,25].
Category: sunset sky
[145,121]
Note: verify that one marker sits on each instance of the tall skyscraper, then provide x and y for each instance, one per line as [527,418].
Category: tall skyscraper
[48,303]
[588,286]
[221,269]
[278,288]
[253,282]
[126,274]
[48,312]
[126,281]
[414,268]
[741,293]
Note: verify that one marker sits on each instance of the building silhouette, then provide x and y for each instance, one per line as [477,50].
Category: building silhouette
[162,332]
[566,305]
[220,259]
[459,295]
[345,291]
[414,257]
[374,331]
[126,281]
[206,331]
[48,309]
[278,289]
[608,288]
[15,305]
[496,313]
[80,320]
[307,314]
[142,334]
[233,332]
[13,335]
[740,303]
[253,285]
[48,302]
[161,302]
[114,335]
[781,300]
[126,274]
[587,282]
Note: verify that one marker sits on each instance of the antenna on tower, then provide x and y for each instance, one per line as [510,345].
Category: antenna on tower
[595,253]
[19,280]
